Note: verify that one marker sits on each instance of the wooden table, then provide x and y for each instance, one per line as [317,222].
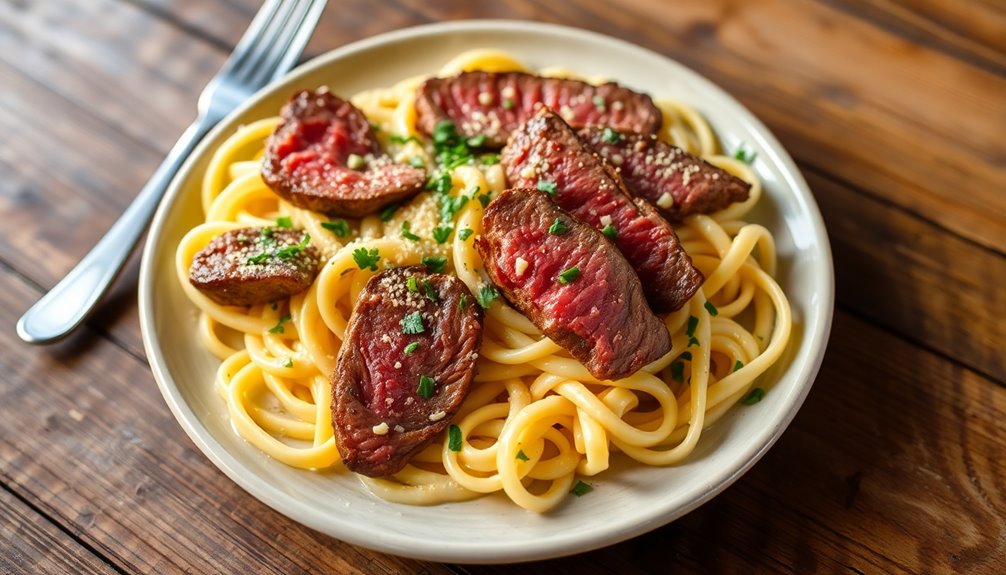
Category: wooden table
[895,110]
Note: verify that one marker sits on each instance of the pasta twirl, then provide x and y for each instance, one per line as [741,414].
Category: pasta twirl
[535,420]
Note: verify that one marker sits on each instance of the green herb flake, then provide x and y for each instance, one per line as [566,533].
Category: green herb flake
[442,233]
[522,456]
[753,396]
[546,186]
[407,232]
[610,231]
[413,323]
[284,222]
[440,182]
[366,258]
[686,356]
[557,228]
[738,364]
[412,284]
[259,258]
[465,234]
[489,159]
[599,102]
[454,438]
[581,489]
[476,141]
[389,212]
[463,303]
[444,132]
[450,206]
[678,371]
[434,263]
[411,348]
[338,227]
[430,291]
[693,322]
[694,341]
[288,362]
[426,385]
[711,309]
[508,104]
[375,126]
[400,139]
[355,162]
[291,251]
[570,275]
[744,154]
[487,293]
[484,199]
[417,162]
[611,136]
[278,328]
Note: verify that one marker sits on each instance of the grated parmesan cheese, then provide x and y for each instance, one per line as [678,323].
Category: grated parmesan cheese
[666,200]
[381,429]
[520,266]
[437,416]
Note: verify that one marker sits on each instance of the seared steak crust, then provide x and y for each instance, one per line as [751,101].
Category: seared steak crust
[494,104]
[252,266]
[598,313]
[380,413]
[325,157]
[546,153]
[652,168]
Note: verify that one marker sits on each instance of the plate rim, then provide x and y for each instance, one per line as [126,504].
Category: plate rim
[472,551]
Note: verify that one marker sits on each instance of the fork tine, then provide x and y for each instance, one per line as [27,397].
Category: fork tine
[295,45]
[252,36]
[271,52]
[251,55]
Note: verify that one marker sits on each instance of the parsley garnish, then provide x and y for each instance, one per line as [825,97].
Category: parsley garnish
[291,251]
[465,234]
[678,371]
[366,259]
[417,162]
[389,212]
[454,438]
[442,233]
[430,291]
[753,396]
[487,294]
[557,228]
[484,199]
[278,328]
[463,302]
[546,186]
[411,348]
[581,488]
[738,364]
[284,222]
[489,159]
[712,309]
[599,102]
[693,322]
[476,141]
[338,227]
[435,263]
[259,258]
[407,231]
[355,162]
[412,284]
[694,341]
[449,206]
[288,362]
[413,323]
[610,136]
[611,231]
[426,385]
[400,139]
[745,155]
[440,183]
[568,276]
[522,456]
[508,104]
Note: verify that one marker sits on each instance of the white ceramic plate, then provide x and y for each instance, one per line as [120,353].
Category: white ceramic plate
[628,499]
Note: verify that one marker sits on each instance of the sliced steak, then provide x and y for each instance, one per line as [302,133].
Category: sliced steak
[325,157]
[546,153]
[678,183]
[391,398]
[495,104]
[252,266]
[571,283]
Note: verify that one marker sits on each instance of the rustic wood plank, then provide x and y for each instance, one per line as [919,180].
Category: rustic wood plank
[96,449]
[34,545]
[894,465]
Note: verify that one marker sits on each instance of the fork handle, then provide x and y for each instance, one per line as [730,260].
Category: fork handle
[71,300]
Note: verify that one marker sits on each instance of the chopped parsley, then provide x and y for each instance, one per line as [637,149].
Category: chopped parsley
[400,139]
[259,258]
[338,227]
[426,385]
[434,263]
[753,396]
[744,154]
[546,186]
[522,456]
[686,355]
[738,364]
[693,322]
[450,206]
[557,228]
[476,141]
[610,136]
[291,251]
[600,102]
[412,323]
[284,222]
[454,438]
[355,162]
[285,253]
[411,348]
[508,104]
[463,302]
[465,234]
[389,212]
[278,328]
[711,309]
[694,341]
[568,276]
[581,489]
[487,293]
[417,162]
[366,258]
[489,159]
[411,284]
[430,291]
[678,371]
[442,233]
[440,183]
[288,362]
[484,199]
[611,231]
[407,231]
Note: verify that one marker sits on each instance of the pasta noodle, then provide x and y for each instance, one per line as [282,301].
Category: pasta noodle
[535,419]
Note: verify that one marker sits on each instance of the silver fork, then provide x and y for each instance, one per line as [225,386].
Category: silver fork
[272,44]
